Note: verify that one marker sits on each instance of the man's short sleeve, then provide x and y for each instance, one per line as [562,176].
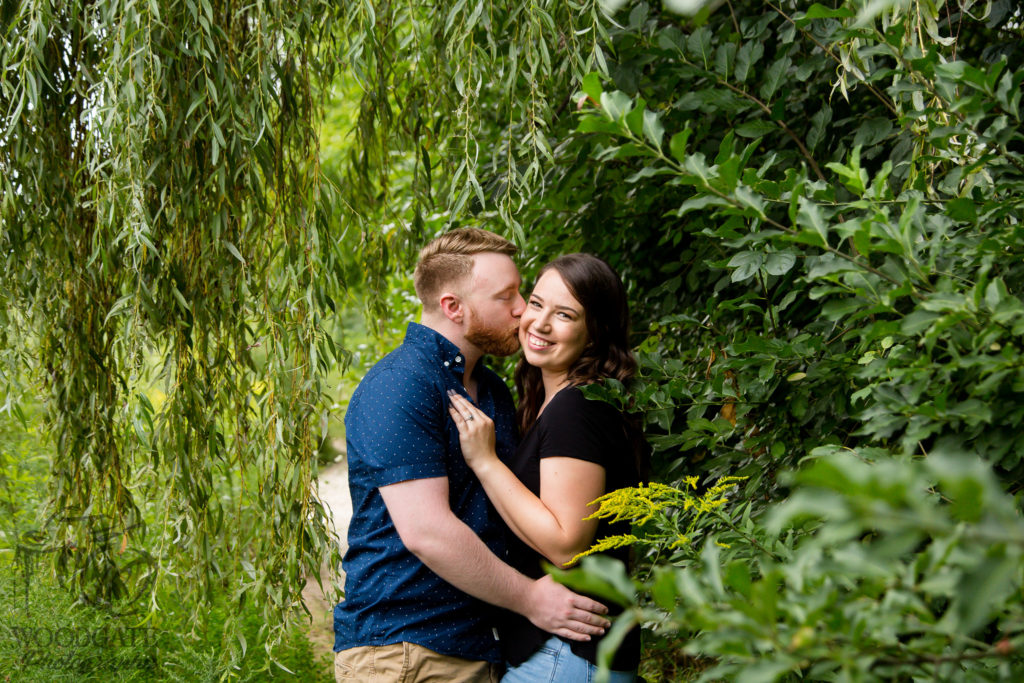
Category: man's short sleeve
[395,427]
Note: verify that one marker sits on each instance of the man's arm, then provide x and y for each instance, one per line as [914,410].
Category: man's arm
[423,518]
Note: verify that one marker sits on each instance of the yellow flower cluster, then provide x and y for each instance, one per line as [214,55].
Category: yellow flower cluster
[638,504]
[680,542]
[642,503]
[606,543]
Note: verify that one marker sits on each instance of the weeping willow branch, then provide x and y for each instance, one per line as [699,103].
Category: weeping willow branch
[171,259]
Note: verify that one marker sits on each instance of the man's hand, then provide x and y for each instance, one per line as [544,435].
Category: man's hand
[556,609]
[428,528]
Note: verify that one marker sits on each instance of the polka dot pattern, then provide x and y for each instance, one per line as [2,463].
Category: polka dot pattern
[398,429]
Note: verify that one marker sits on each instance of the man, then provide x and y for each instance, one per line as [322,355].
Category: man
[424,542]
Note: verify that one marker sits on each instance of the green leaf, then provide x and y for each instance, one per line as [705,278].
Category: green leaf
[995,293]
[710,555]
[700,202]
[819,121]
[819,11]
[647,172]
[765,671]
[780,263]
[180,299]
[962,209]
[918,321]
[737,577]
[635,119]
[756,128]
[699,45]
[773,77]
[749,199]
[746,264]
[234,252]
[677,145]
[813,223]
[872,131]
[592,86]
[610,643]
[981,593]
[725,55]
[598,124]
[598,575]
[697,165]
[854,177]
[616,104]
[653,130]
[837,309]
[749,54]
[119,306]
[664,590]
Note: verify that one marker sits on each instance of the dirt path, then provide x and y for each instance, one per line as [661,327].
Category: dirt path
[333,491]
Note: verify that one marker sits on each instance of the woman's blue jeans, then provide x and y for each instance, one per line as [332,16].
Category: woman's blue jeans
[555,662]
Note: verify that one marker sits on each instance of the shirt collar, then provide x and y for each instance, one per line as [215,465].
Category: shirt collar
[439,347]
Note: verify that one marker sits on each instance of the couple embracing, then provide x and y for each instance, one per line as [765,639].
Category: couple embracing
[453,512]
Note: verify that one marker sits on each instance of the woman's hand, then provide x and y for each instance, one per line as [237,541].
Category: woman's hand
[553,523]
[476,431]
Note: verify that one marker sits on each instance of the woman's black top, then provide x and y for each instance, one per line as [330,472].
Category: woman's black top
[572,427]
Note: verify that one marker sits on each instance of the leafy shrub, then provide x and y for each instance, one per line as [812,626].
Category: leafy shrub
[875,569]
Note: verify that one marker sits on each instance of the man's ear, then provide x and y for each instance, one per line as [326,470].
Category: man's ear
[452,307]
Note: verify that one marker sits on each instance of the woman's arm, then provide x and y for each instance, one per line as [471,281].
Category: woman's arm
[424,521]
[552,524]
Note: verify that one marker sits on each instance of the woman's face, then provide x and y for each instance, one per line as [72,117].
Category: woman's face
[553,329]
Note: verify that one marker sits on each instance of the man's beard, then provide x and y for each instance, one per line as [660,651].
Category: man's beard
[493,342]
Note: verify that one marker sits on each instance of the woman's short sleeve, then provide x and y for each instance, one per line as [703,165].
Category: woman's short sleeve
[575,427]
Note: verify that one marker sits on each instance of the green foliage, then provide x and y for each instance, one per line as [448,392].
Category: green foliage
[188,656]
[160,209]
[23,467]
[671,517]
[849,278]
[889,285]
[895,569]
[817,211]
[50,634]
[44,636]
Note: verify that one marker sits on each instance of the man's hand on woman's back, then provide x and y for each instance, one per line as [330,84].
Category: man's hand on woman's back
[557,610]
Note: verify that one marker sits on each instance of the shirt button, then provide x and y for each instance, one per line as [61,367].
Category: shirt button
[458,359]
[446,363]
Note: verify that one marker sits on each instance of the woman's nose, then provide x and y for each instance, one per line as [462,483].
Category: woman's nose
[542,322]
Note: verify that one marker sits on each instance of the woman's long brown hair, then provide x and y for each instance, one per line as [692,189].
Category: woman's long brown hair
[607,354]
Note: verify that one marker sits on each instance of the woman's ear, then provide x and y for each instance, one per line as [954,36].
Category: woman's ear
[451,306]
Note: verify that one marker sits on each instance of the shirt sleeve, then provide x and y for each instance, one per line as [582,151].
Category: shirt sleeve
[395,425]
[575,427]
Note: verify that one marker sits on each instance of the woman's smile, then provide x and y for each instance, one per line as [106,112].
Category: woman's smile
[536,342]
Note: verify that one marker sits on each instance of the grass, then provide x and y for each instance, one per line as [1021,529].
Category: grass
[46,635]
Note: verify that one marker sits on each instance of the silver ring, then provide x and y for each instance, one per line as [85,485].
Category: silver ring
[469,417]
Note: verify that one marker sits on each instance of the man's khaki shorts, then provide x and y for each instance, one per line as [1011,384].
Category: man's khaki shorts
[409,663]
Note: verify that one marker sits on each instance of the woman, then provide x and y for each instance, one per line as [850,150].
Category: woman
[574,332]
